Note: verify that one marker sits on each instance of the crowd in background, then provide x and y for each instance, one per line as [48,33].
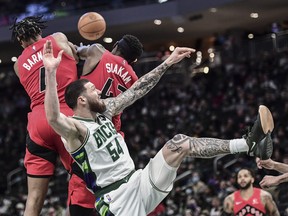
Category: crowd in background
[219,104]
[52,8]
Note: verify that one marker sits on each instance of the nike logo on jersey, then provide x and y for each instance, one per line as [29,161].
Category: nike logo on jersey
[238,203]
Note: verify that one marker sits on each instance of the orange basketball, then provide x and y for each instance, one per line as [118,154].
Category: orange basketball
[91,26]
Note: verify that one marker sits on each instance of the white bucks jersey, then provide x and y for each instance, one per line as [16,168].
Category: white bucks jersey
[103,156]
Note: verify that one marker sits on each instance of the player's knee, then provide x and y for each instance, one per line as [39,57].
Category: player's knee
[181,143]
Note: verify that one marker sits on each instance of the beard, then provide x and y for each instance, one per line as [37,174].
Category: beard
[97,106]
[246,186]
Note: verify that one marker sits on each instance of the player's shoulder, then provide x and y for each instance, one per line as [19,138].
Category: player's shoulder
[97,48]
[264,193]
[266,197]
[59,36]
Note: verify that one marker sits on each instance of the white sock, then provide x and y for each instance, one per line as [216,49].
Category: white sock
[238,145]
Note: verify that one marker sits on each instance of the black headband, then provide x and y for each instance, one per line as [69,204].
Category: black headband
[123,45]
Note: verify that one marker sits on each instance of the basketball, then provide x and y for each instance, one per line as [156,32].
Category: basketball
[91,26]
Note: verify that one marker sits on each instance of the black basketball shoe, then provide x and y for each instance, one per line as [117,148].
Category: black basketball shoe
[259,137]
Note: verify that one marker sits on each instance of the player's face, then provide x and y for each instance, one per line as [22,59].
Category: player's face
[244,179]
[93,98]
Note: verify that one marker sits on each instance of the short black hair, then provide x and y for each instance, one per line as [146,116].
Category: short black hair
[28,28]
[249,170]
[73,91]
[130,48]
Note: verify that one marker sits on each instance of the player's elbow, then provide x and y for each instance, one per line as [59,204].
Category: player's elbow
[52,118]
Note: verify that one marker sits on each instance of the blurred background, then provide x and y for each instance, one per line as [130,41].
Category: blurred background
[241,62]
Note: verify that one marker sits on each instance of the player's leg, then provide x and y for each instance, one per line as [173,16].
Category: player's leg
[257,142]
[40,164]
[181,146]
[37,190]
[156,181]
[161,170]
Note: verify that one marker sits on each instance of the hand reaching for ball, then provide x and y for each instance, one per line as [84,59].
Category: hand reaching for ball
[49,61]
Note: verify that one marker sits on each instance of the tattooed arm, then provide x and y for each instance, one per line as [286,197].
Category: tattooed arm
[228,204]
[269,203]
[145,83]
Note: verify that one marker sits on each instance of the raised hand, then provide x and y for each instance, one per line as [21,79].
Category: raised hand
[50,62]
[267,164]
[178,54]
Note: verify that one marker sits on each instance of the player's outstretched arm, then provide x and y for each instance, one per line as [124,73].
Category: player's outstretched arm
[270,181]
[272,165]
[66,127]
[146,82]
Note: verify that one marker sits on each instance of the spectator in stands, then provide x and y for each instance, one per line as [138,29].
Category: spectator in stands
[216,209]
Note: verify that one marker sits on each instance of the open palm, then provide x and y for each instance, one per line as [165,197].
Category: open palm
[49,61]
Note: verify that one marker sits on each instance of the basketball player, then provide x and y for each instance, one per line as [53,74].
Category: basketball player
[269,180]
[111,72]
[249,200]
[103,156]
[43,144]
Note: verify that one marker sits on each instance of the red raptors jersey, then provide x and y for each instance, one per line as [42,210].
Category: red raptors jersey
[31,71]
[251,207]
[113,75]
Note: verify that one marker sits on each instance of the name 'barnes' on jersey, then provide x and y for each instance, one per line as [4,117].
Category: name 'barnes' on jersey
[34,59]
